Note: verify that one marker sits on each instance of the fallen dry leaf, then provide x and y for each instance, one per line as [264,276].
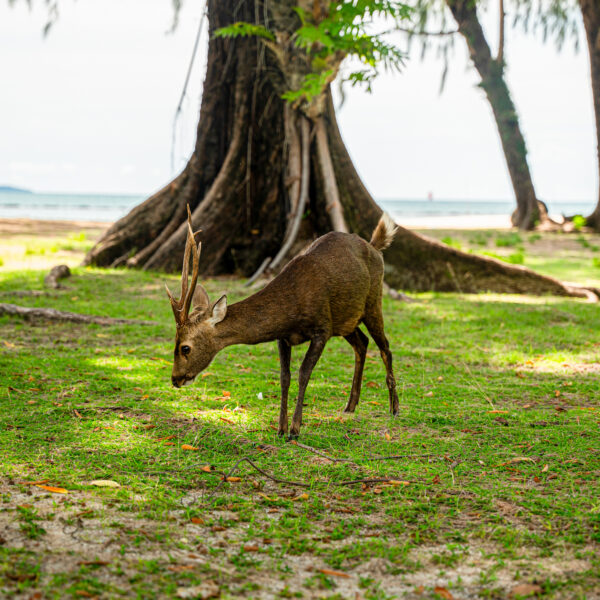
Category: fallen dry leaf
[180,568]
[519,459]
[524,590]
[300,497]
[197,520]
[233,479]
[251,548]
[274,499]
[54,490]
[168,437]
[226,394]
[442,592]
[169,444]
[77,413]
[333,573]
[207,468]
[188,447]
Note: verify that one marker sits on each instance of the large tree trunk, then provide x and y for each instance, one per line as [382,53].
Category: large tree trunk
[491,70]
[265,175]
[590,10]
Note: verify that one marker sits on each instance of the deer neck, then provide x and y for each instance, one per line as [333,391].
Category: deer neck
[247,322]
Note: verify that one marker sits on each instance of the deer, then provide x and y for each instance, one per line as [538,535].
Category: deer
[331,288]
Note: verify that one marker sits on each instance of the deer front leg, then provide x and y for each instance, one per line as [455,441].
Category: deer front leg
[285,352]
[308,364]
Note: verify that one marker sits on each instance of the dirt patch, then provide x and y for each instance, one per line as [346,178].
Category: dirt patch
[84,530]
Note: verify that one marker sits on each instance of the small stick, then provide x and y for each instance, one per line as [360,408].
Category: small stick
[355,481]
[315,451]
[246,459]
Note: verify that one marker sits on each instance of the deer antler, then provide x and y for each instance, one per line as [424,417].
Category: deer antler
[181,307]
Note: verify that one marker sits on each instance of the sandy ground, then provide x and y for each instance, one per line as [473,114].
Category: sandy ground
[36,244]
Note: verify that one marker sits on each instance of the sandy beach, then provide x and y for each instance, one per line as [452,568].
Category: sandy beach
[37,244]
[35,227]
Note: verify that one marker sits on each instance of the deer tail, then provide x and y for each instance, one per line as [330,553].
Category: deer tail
[384,232]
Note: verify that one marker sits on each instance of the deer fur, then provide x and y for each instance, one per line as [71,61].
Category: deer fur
[329,290]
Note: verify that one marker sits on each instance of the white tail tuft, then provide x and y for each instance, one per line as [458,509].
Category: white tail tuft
[384,232]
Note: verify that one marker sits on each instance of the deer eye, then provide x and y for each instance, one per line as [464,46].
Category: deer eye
[185,350]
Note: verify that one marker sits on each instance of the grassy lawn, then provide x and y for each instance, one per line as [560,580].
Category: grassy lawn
[485,486]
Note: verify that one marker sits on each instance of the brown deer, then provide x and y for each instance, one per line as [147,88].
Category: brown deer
[326,291]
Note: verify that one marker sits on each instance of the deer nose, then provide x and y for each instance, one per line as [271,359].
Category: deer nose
[177,381]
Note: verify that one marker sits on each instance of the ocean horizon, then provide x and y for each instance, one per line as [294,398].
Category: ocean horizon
[108,208]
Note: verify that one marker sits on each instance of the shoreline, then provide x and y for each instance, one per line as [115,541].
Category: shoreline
[45,227]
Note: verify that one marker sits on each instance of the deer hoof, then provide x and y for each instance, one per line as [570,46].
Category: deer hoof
[292,437]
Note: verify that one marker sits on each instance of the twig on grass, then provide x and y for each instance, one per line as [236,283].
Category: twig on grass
[370,481]
[315,451]
[246,459]
[366,458]
[328,482]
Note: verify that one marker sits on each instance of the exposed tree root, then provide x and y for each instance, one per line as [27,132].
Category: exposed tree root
[57,273]
[301,199]
[51,314]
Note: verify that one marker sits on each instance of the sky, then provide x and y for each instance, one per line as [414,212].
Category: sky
[90,109]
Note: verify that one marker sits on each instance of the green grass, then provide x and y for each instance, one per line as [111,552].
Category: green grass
[497,445]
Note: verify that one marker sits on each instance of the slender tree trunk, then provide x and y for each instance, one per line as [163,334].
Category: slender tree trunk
[491,71]
[590,10]
[265,177]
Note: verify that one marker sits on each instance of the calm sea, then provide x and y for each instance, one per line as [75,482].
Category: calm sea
[108,208]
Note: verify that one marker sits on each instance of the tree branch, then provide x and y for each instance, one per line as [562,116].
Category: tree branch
[500,55]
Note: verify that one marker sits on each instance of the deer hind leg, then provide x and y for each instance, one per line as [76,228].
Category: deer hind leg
[359,341]
[374,322]
[285,353]
[308,364]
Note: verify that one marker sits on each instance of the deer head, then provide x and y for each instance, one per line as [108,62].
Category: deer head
[195,344]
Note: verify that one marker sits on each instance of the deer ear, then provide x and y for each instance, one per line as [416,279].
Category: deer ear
[219,311]
[201,301]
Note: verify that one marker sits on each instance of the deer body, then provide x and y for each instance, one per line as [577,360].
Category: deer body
[328,291]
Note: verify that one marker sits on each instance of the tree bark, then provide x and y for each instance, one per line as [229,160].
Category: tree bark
[491,70]
[590,9]
[246,181]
